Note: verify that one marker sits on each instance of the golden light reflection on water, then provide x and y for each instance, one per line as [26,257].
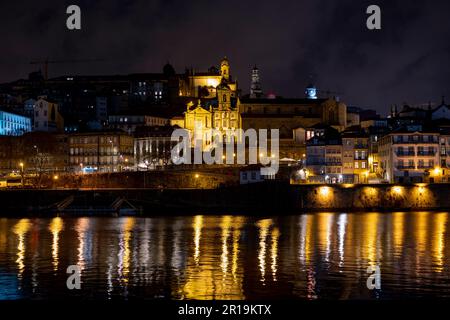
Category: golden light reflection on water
[324,222]
[263,226]
[236,257]
[123,266]
[238,223]
[225,226]
[210,274]
[421,232]
[398,227]
[55,227]
[197,225]
[81,227]
[21,229]
[274,252]
[306,239]
[370,250]
[342,226]
[438,244]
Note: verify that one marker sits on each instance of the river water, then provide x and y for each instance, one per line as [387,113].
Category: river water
[311,256]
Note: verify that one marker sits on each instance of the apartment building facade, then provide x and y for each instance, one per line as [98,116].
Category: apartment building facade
[101,151]
[412,156]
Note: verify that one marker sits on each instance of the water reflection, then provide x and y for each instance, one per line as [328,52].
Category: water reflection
[438,248]
[370,238]
[320,255]
[225,225]
[216,271]
[21,229]
[325,221]
[55,227]
[263,226]
[82,228]
[123,265]
[274,252]
[198,224]
[398,223]
[342,225]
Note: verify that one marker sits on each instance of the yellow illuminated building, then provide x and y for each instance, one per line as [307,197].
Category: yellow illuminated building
[203,84]
[217,111]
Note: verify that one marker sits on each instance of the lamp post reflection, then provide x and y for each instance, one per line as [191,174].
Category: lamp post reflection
[263,226]
[342,224]
[225,225]
[21,229]
[197,225]
[398,225]
[438,245]
[123,267]
[55,227]
[275,235]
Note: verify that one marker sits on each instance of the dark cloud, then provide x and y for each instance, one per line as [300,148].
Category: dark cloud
[406,61]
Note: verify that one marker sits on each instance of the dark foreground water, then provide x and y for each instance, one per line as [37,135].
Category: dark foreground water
[324,255]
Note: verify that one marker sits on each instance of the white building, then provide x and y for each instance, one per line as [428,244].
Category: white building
[13,124]
[47,117]
[252,174]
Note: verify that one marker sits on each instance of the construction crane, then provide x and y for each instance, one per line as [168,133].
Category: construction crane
[46,62]
[328,93]
[313,79]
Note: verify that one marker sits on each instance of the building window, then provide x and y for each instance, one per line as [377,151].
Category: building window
[356,165]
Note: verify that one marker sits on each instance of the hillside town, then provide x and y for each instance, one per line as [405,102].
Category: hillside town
[81,125]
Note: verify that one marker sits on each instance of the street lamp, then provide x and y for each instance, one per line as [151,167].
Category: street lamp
[21,171]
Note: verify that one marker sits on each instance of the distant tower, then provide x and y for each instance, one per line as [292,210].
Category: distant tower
[311,92]
[394,111]
[225,69]
[255,87]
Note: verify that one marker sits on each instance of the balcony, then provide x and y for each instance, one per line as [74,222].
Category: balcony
[331,164]
[424,166]
[426,153]
[405,154]
[419,141]
[406,167]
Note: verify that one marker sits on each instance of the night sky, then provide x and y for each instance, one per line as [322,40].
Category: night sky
[290,41]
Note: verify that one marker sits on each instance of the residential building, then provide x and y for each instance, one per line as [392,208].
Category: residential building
[12,124]
[324,158]
[410,155]
[101,151]
[355,149]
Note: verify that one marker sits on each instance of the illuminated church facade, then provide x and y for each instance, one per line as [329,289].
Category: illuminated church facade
[217,105]
[217,110]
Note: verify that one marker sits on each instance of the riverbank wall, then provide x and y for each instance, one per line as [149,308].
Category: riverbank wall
[274,198]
